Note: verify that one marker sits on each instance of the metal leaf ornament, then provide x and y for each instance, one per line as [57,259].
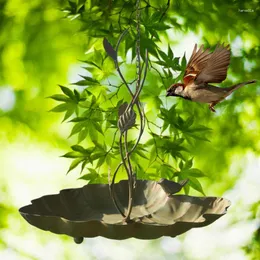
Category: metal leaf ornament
[126,118]
[109,49]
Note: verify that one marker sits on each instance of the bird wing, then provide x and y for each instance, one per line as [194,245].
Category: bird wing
[196,64]
[215,70]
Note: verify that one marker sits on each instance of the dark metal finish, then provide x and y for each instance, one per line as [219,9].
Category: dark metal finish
[89,211]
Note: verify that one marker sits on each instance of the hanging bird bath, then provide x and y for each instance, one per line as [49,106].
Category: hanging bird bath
[141,209]
[89,211]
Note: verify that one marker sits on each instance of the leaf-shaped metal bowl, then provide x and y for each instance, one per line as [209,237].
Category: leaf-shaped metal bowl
[89,211]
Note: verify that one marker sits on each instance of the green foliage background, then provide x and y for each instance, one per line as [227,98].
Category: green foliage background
[41,40]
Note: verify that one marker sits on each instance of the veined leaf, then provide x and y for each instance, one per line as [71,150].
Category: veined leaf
[92,132]
[79,119]
[75,163]
[77,95]
[195,184]
[181,165]
[60,108]
[193,172]
[69,112]
[153,155]
[82,134]
[183,62]
[170,53]
[76,129]
[98,127]
[87,81]
[188,164]
[78,148]
[101,161]
[67,92]
[72,155]
[163,55]
[88,176]
[59,97]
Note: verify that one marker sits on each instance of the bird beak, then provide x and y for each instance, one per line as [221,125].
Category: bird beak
[171,94]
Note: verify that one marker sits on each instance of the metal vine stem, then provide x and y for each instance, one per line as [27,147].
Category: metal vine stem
[127,116]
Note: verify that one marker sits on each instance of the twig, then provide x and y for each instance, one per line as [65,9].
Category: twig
[130,181]
[130,107]
[116,62]
[165,11]
[112,191]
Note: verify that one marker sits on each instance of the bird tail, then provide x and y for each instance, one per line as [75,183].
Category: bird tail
[239,85]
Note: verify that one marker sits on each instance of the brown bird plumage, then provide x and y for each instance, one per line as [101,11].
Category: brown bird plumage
[205,67]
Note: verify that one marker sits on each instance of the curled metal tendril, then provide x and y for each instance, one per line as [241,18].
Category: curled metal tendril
[127,116]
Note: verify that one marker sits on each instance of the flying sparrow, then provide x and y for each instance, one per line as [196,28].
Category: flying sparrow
[205,67]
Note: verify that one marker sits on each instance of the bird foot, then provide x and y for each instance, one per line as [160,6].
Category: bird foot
[211,107]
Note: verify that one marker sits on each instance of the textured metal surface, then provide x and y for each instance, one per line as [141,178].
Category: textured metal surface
[89,211]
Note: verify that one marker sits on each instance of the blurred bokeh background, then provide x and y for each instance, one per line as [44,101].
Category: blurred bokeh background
[40,49]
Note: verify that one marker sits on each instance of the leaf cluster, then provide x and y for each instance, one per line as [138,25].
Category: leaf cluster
[94,111]
[172,133]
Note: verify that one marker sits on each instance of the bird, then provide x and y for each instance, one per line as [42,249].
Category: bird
[206,67]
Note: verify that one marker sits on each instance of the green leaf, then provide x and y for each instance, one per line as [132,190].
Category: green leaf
[60,97]
[165,126]
[80,4]
[76,128]
[72,4]
[78,148]
[161,26]
[153,154]
[188,164]
[193,172]
[93,100]
[108,159]
[72,155]
[88,176]
[170,53]
[183,62]
[97,155]
[79,119]
[83,165]
[163,55]
[187,189]
[87,81]
[69,112]
[101,161]
[181,165]
[60,108]
[195,184]
[92,64]
[150,45]
[75,163]
[154,33]
[141,153]
[189,121]
[77,95]
[156,16]
[200,128]
[92,133]
[92,171]
[98,127]
[82,134]
[67,92]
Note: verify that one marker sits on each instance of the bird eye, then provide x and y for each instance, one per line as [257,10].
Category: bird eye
[179,89]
